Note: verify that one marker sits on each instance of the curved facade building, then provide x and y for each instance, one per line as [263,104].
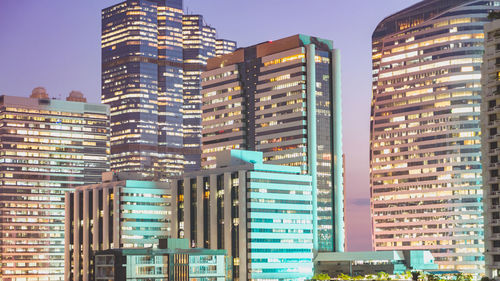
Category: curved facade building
[425,134]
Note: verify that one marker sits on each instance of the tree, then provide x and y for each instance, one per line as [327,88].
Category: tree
[382,276]
[321,276]
[463,277]
[343,276]
[432,277]
[415,275]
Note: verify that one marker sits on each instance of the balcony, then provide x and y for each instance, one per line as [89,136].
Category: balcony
[495,221]
[493,180]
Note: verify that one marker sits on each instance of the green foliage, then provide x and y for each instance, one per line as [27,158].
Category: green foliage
[343,276]
[485,278]
[415,275]
[432,277]
[321,276]
[383,276]
[463,277]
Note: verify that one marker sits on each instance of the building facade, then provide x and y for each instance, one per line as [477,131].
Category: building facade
[272,97]
[261,214]
[177,262]
[113,214]
[371,263]
[48,147]
[224,47]
[199,44]
[142,81]
[490,130]
[425,142]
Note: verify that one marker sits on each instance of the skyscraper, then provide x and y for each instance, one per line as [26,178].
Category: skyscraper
[425,136]
[261,214]
[273,97]
[48,147]
[151,66]
[199,44]
[223,47]
[490,133]
[142,82]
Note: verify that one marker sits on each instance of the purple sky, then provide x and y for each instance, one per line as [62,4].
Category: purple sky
[56,44]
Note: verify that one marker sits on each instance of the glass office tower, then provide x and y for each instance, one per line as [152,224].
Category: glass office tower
[261,214]
[48,147]
[223,47]
[425,135]
[282,98]
[199,44]
[117,213]
[142,82]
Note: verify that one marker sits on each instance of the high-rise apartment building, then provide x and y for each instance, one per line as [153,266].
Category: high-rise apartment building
[142,81]
[261,214]
[425,136]
[490,137]
[117,213]
[48,147]
[282,98]
[199,44]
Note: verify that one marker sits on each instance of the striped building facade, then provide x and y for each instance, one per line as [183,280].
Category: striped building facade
[273,97]
[260,214]
[490,133]
[426,182]
[114,214]
[48,147]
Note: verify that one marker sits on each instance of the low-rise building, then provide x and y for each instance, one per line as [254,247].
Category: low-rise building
[172,260]
[117,213]
[369,263]
[261,214]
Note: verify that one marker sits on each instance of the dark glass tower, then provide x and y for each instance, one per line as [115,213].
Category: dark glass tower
[199,45]
[142,83]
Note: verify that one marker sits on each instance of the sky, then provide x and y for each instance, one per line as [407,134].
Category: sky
[56,44]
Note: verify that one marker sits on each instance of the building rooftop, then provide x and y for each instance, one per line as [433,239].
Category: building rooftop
[42,101]
[365,256]
[268,48]
[415,259]
[166,246]
[413,15]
